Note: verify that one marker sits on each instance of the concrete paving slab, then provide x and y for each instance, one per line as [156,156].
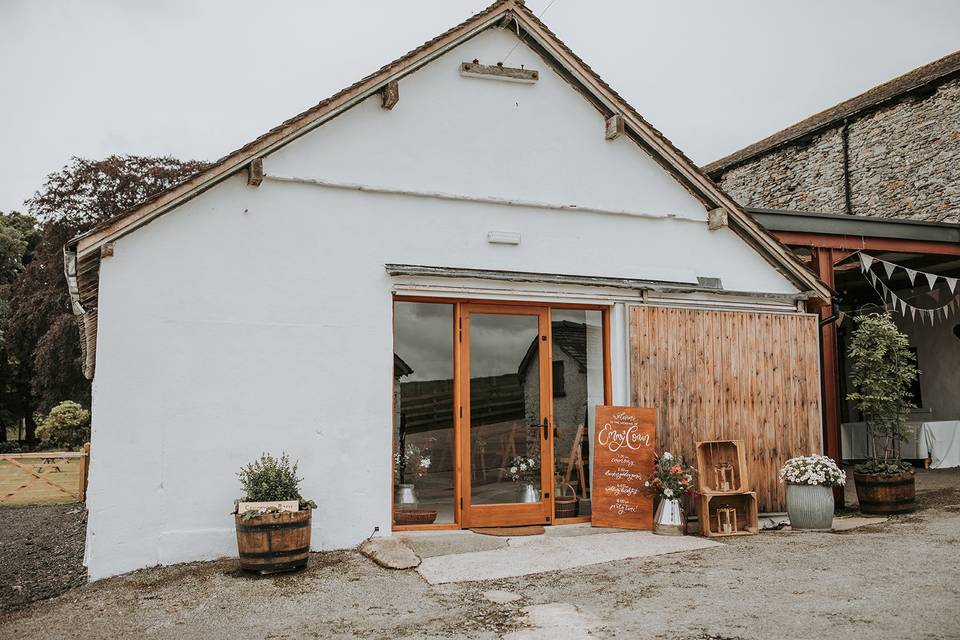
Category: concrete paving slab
[524,556]
[552,621]
[581,529]
[452,544]
[390,553]
[853,522]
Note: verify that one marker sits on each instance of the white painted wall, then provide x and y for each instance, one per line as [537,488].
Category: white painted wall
[260,319]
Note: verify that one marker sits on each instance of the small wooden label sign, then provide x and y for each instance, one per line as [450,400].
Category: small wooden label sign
[623,461]
[279,505]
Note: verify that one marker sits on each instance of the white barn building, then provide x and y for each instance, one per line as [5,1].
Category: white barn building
[426,221]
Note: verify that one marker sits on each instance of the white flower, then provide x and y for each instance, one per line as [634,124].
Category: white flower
[667,455]
[513,470]
[523,467]
[668,493]
[425,463]
[647,483]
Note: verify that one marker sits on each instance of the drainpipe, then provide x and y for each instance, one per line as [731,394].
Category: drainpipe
[845,138]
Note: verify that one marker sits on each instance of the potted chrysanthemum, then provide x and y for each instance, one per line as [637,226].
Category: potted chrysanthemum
[671,480]
[810,481]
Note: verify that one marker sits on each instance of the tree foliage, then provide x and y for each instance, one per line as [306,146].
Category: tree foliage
[883,370]
[66,426]
[41,334]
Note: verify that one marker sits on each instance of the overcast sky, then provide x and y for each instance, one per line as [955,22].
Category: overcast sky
[196,79]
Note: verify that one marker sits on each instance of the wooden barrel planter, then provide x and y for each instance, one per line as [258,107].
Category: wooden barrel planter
[883,494]
[274,542]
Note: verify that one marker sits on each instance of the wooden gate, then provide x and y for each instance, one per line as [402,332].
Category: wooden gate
[716,375]
[44,477]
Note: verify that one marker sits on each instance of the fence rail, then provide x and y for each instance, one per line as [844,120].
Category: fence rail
[44,477]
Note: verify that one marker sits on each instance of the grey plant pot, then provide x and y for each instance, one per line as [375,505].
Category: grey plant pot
[810,507]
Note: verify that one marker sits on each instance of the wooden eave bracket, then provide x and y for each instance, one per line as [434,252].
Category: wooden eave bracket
[615,127]
[390,95]
[255,172]
[717,219]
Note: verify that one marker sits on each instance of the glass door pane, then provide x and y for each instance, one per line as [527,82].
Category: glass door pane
[424,456]
[577,367]
[505,412]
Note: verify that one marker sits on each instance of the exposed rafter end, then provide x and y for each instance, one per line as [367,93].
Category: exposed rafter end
[507,21]
[717,219]
[106,250]
[390,95]
[615,127]
[255,172]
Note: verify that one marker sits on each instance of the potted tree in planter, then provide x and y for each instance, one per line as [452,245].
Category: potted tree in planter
[810,481]
[272,519]
[882,371]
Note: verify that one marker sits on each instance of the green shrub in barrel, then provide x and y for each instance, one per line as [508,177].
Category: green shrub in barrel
[883,369]
[273,520]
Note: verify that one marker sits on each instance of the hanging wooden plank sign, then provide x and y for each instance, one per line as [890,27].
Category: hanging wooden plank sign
[623,448]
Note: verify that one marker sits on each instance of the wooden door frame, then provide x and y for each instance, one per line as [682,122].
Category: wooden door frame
[507,513]
[458,303]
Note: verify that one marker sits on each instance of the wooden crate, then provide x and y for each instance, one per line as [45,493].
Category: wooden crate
[710,453]
[745,505]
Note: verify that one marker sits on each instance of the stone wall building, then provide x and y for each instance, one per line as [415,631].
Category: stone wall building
[893,151]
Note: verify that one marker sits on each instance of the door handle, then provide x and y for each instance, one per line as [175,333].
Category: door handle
[546,428]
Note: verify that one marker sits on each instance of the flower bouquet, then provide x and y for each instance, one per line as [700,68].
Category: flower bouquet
[523,469]
[671,478]
[670,481]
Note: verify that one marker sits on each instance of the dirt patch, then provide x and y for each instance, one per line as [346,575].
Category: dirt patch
[42,552]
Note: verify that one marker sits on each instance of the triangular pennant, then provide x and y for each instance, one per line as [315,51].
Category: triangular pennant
[912,275]
[930,314]
[952,283]
[865,261]
[889,268]
[913,313]
[931,279]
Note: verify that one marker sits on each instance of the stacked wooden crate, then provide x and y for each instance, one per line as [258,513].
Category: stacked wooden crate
[725,485]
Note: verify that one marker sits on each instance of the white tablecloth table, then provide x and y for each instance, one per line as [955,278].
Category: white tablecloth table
[942,440]
[937,440]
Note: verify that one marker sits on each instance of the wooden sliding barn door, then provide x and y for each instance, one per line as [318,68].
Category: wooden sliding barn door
[716,375]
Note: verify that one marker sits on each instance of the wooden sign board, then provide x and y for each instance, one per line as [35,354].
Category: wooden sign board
[623,448]
[279,505]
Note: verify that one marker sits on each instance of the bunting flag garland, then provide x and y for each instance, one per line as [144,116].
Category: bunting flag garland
[900,305]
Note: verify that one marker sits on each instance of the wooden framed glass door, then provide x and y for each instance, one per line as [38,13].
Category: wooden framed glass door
[506,430]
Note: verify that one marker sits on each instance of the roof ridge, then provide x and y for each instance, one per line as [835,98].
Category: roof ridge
[935,72]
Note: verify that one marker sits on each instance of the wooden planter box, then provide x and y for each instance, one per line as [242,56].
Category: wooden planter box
[710,453]
[745,505]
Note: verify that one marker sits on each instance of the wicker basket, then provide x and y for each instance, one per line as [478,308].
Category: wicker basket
[414,516]
[566,506]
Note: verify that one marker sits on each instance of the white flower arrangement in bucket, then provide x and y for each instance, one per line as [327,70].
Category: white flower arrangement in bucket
[810,481]
[524,469]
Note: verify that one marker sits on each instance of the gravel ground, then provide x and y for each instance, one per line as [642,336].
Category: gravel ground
[892,580]
[41,552]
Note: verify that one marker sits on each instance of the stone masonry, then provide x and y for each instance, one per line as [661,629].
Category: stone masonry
[904,162]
